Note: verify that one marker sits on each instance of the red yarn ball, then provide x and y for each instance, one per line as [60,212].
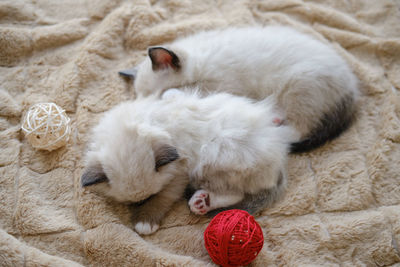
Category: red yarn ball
[233,238]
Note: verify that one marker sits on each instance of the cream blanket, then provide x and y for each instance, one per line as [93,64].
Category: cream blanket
[342,206]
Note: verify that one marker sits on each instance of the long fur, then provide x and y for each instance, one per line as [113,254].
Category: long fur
[313,86]
[226,145]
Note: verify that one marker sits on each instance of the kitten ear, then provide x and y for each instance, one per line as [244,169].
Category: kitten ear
[162,58]
[164,154]
[130,73]
[93,175]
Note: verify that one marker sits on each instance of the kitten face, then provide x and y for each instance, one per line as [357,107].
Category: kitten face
[128,162]
[162,69]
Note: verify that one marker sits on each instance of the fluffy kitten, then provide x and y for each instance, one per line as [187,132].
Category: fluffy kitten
[309,81]
[232,150]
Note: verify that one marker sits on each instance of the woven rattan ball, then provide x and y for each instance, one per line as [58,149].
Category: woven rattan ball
[46,126]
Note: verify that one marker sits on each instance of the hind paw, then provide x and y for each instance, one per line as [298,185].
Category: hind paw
[200,202]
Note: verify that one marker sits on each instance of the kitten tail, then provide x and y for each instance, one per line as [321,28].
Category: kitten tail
[332,124]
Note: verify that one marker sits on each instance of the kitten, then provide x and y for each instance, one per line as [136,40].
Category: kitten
[149,149]
[309,81]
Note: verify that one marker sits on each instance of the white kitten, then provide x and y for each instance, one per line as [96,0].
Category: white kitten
[232,150]
[309,81]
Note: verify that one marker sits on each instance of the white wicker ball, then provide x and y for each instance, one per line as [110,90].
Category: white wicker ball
[46,126]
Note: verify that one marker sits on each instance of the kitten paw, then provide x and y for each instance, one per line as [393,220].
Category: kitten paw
[278,121]
[200,202]
[145,228]
[171,93]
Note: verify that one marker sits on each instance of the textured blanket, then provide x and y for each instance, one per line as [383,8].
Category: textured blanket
[342,206]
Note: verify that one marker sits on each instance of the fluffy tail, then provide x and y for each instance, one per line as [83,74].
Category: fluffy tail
[332,124]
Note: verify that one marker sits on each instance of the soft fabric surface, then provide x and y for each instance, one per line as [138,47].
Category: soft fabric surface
[342,206]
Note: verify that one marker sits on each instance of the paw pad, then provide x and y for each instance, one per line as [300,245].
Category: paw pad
[200,202]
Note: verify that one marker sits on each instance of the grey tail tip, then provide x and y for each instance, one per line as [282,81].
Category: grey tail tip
[332,124]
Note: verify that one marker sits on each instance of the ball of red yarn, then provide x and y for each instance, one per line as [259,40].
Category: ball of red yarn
[233,238]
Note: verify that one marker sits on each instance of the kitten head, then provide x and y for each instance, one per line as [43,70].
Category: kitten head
[128,161]
[162,69]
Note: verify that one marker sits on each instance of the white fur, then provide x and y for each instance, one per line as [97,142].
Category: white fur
[145,228]
[306,77]
[171,93]
[227,145]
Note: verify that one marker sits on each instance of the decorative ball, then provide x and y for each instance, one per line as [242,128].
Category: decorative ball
[233,238]
[46,126]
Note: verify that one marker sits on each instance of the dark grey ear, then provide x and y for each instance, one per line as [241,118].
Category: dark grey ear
[162,58]
[130,73]
[164,154]
[93,175]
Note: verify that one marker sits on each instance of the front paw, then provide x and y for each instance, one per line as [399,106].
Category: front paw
[200,202]
[145,219]
[171,93]
[146,228]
